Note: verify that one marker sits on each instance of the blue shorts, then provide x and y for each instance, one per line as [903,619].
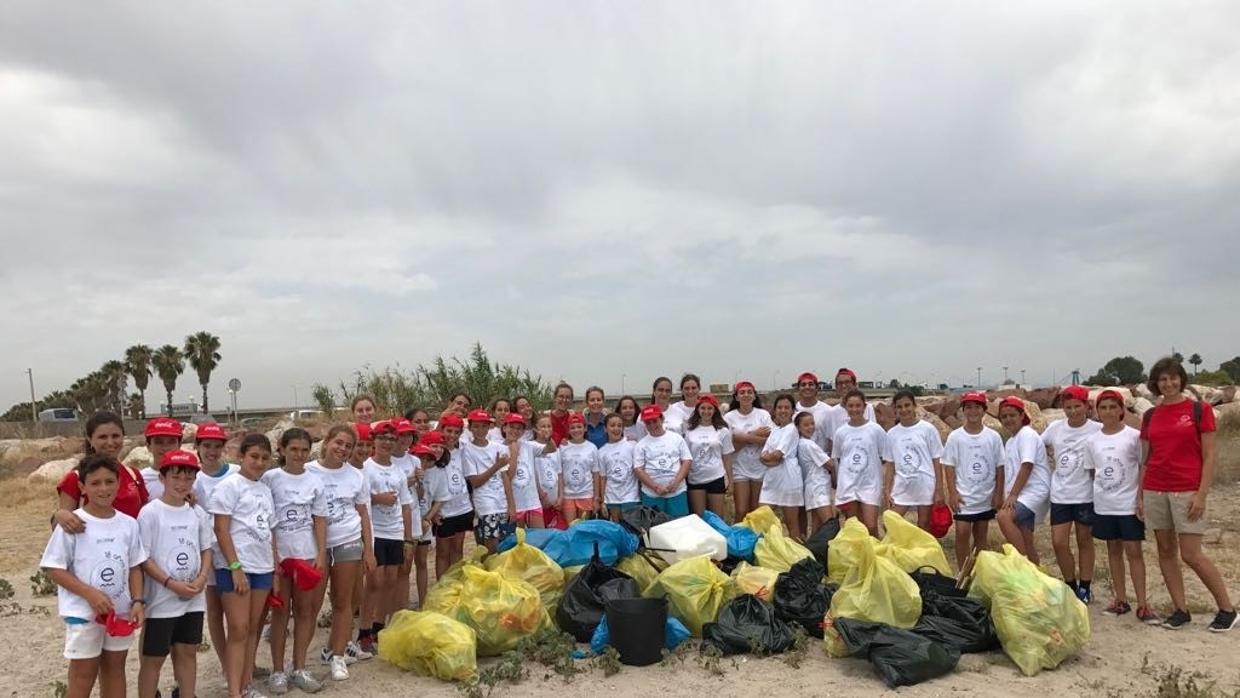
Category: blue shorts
[1025,517]
[623,506]
[1125,527]
[675,506]
[258,582]
[1082,514]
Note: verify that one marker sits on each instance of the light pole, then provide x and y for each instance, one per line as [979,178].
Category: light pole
[1005,375]
[1022,376]
[979,377]
[775,381]
[296,400]
[622,377]
[34,406]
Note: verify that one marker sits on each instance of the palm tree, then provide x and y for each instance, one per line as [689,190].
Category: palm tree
[169,363]
[138,363]
[115,380]
[202,351]
[1196,361]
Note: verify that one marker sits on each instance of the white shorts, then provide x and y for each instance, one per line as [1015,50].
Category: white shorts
[817,494]
[781,498]
[89,640]
[914,491]
[752,473]
[867,495]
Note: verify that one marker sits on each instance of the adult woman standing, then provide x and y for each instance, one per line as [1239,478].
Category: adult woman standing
[562,397]
[105,435]
[661,393]
[363,408]
[676,414]
[750,425]
[596,417]
[1177,469]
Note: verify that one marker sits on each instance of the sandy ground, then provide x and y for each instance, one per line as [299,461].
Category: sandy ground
[1123,657]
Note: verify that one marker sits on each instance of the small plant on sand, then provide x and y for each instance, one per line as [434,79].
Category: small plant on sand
[59,689]
[675,658]
[6,589]
[553,649]
[510,668]
[799,650]
[608,661]
[41,584]
[711,659]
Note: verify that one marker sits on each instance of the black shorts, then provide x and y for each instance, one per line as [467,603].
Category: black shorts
[389,552]
[453,525]
[987,515]
[719,486]
[159,634]
[1072,513]
[1126,527]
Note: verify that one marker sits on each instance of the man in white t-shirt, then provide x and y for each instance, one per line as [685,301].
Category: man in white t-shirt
[807,401]
[846,381]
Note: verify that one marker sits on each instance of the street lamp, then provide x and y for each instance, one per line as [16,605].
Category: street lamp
[979,377]
[1022,376]
[1005,375]
[775,381]
[296,400]
[622,377]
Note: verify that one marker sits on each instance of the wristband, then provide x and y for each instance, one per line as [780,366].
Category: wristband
[166,580]
[137,601]
[234,565]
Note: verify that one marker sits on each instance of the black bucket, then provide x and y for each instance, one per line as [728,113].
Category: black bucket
[636,628]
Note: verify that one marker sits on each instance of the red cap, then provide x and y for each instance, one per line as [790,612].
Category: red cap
[382,427]
[179,459]
[210,431]
[1015,402]
[431,438]
[651,413]
[479,416]
[163,426]
[422,451]
[1075,392]
[403,426]
[807,376]
[574,418]
[977,396]
[451,420]
[514,418]
[1110,395]
[363,431]
[744,384]
[709,399]
[847,372]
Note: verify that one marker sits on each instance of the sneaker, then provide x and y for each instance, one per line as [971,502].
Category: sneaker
[262,672]
[1224,621]
[1085,595]
[251,692]
[305,682]
[1146,615]
[325,656]
[359,650]
[267,633]
[340,672]
[1117,608]
[1178,619]
[278,683]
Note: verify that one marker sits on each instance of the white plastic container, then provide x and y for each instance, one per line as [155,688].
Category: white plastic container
[686,537]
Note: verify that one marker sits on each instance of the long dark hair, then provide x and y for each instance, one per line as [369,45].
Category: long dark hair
[290,435]
[655,385]
[716,421]
[254,440]
[734,401]
[97,420]
[637,409]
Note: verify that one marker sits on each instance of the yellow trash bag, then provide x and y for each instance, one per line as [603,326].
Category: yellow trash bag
[1040,622]
[778,552]
[527,563]
[430,644]
[570,572]
[875,589]
[910,547]
[444,596]
[845,551]
[642,569]
[756,580]
[695,591]
[761,519]
[501,610]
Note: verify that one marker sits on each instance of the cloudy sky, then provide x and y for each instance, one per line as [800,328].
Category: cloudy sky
[607,189]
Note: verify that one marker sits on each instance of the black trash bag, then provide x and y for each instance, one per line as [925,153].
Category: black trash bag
[747,623]
[961,624]
[800,596]
[928,578]
[901,657]
[581,607]
[818,542]
[641,519]
[729,563]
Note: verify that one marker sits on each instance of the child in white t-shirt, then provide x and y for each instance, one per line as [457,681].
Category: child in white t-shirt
[485,465]
[860,449]
[98,575]
[405,461]
[816,473]
[394,529]
[783,485]
[1027,478]
[914,476]
[1072,489]
[710,441]
[579,468]
[244,516]
[973,471]
[209,442]
[550,475]
[177,536]
[522,458]
[621,490]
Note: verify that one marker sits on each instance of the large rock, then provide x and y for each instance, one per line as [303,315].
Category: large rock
[1143,390]
[16,452]
[1094,392]
[54,470]
[1228,410]
[140,457]
[950,408]
[278,430]
[884,414]
[938,424]
[1141,405]
[1052,415]
[189,431]
[1044,397]
[1229,394]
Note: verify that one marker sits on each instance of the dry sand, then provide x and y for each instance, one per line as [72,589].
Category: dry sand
[1123,658]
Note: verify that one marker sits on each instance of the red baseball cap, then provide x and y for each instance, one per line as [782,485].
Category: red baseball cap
[480,416]
[363,431]
[403,426]
[210,431]
[514,418]
[451,420]
[422,451]
[977,396]
[709,399]
[1110,395]
[1075,392]
[382,427]
[1017,403]
[807,376]
[575,418]
[846,372]
[163,426]
[179,459]
[651,413]
[431,438]
[744,384]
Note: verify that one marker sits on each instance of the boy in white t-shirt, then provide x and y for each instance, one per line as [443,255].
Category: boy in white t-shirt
[99,578]
[973,471]
[1072,489]
[1027,479]
[913,478]
[178,538]
[484,464]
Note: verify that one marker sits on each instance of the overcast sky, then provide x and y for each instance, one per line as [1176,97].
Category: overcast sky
[603,189]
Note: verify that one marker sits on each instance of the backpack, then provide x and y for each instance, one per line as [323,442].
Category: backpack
[1149,414]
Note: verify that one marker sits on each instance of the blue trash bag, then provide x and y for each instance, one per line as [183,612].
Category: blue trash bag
[674,633]
[575,546]
[741,540]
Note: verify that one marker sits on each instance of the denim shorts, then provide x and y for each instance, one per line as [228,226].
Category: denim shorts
[258,582]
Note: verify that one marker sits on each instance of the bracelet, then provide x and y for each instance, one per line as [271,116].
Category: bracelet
[234,565]
[137,601]
[166,580]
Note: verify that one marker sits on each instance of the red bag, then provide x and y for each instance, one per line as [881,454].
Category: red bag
[940,520]
[115,626]
[305,576]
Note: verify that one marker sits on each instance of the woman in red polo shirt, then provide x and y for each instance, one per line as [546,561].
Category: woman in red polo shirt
[105,434]
[563,400]
[1177,449]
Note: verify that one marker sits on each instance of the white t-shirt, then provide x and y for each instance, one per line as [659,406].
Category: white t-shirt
[174,538]
[660,457]
[387,521]
[839,417]
[547,468]
[344,490]
[859,454]
[616,463]
[204,485]
[525,476]
[1070,481]
[675,416]
[578,464]
[154,488]
[786,477]
[406,464]
[635,432]
[489,497]
[708,446]
[975,458]
[823,420]
[816,477]
[494,434]
[913,452]
[297,499]
[1116,462]
[101,556]
[1026,447]
[447,485]
[253,514]
[747,463]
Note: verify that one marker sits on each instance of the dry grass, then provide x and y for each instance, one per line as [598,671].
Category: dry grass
[1227,442]
[28,503]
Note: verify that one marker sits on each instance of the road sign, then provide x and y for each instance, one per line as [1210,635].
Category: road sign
[234,384]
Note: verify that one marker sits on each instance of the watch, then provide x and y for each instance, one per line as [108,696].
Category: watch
[234,565]
[134,601]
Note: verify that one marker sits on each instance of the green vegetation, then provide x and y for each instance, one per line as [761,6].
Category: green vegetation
[1121,370]
[6,589]
[41,584]
[202,351]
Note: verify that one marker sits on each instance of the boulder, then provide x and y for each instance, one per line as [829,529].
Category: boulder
[54,470]
[884,414]
[1132,420]
[1094,392]
[1228,410]
[950,408]
[993,423]
[938,424]
[1143,390]
[140,457]
[189,431]
[15,452]
[953,422]
[1044,397]
[278,430]
[1052,415]
[1141,405]
[1229,394]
